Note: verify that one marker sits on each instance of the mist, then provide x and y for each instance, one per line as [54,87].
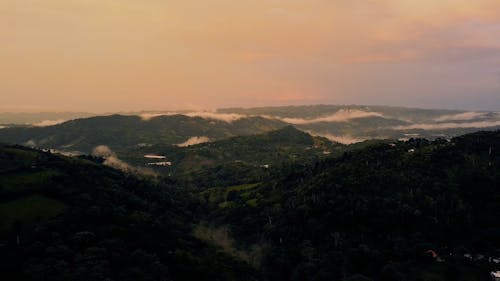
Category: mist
[342,115]
[112,160]
[194,141]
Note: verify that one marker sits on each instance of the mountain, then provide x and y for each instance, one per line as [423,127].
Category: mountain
[339,123]
[267,149]
[120,132]
[404,210]
[39,119]
[233,160]
[74,219]
[354,123]
[375,212]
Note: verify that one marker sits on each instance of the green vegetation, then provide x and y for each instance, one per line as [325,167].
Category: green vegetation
[217,195]
[78,220]
[208,163]
[374,212]
[370,211]
[122,133]
[22,180]
[27,209]
[380,125]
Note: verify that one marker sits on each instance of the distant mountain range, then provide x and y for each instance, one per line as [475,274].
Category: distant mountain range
[414,210]
[354,123]
[121,132]
[339,123]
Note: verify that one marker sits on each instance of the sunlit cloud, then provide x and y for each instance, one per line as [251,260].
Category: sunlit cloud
[47,123]
[112,160]
[194,141]
[450,125]
[464,116]
[343,139]
[342,115]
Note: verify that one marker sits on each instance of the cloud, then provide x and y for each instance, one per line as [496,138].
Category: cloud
[102,151]
[450,125]
[229,117]
[383,58]
[47,123]
[111,160]
[194,141]
[30,143]
[342,115]
[149,116]
[345,139]
[461,116]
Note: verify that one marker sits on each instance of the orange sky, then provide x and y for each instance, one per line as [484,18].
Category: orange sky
[111,55]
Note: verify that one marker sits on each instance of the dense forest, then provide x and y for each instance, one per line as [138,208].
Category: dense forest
[124,132]
[75,219]
[382,210]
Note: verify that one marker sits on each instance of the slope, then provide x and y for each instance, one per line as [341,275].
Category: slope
[74,219]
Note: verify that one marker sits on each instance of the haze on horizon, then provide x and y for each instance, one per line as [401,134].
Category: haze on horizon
[116,55]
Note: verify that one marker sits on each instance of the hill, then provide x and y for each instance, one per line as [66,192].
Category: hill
[404,210]
[353,123]
[74,219]
[375,212]
[234,160]
[267,149]
[122,132]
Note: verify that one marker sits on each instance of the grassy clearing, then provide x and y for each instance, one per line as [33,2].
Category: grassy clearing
[27,209]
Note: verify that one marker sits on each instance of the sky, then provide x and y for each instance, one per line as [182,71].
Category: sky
[119,55]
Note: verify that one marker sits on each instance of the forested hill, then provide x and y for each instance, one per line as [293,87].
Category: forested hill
[121,132]
[75,219]
[377,212]
[374,213]
[266,150]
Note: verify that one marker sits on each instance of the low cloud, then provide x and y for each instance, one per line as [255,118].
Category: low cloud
[149,116]
[227,117]
[30,143]
[450,125]
[47,123]
[194,141]
[342,115]
[345,139]
[102,151]
[461,116]
[111,160]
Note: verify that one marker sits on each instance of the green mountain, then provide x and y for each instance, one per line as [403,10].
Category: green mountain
[375,212]
[352,123]
[340,123]
[74,219]
[120,132]
[234,160]
[267,149]
[404,210]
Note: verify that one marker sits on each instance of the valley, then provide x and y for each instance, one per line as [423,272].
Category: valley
[260,202]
